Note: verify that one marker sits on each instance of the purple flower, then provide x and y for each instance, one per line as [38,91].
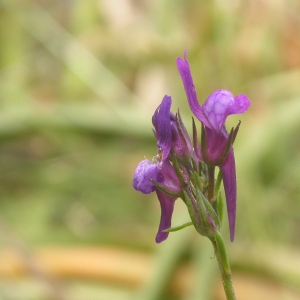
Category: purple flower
[151,170]
[213,114]
[160,169]
[144,172]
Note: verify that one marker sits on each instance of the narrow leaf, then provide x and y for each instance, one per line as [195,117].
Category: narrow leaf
[178,227]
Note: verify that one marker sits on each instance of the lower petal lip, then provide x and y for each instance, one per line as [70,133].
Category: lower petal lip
[145,171]
[167,207]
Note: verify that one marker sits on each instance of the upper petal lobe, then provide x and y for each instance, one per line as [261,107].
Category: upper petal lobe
[188,83]
[162,124]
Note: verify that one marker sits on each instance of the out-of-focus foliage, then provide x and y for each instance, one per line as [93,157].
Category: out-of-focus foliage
[79,81]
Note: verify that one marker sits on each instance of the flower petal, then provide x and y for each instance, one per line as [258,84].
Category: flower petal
[170,179]
[162,124]
[167,207]
[145,171]
[216,106]
[188,83]
[220,104]
[241,105]
[215,144]
[229,181]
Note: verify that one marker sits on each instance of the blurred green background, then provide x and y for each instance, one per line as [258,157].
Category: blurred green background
[79,82]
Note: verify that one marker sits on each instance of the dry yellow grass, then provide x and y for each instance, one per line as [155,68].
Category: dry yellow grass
[131,269]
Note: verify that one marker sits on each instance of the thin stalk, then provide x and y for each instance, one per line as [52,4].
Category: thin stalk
[211,184]
[224,266]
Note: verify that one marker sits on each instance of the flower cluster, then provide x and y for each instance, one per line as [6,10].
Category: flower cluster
[185,169]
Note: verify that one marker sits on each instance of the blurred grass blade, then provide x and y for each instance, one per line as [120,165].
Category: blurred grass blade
[74,55]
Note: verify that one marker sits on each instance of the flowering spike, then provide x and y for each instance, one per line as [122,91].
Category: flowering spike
[185,169]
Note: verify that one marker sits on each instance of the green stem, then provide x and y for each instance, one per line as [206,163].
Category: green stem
[211,184]
[224,266]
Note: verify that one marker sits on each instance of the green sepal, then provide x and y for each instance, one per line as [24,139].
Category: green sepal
[196,180]
[178,227]
[165,190]
[215,207]
[235,131]
[200,198]
[212,211]
[203,144]
[194,165]
[178,170]
[218,207]
[203,173]
[199,182]
[182,130]
[195,138]
[201,168]
[193,212]
[209,209]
